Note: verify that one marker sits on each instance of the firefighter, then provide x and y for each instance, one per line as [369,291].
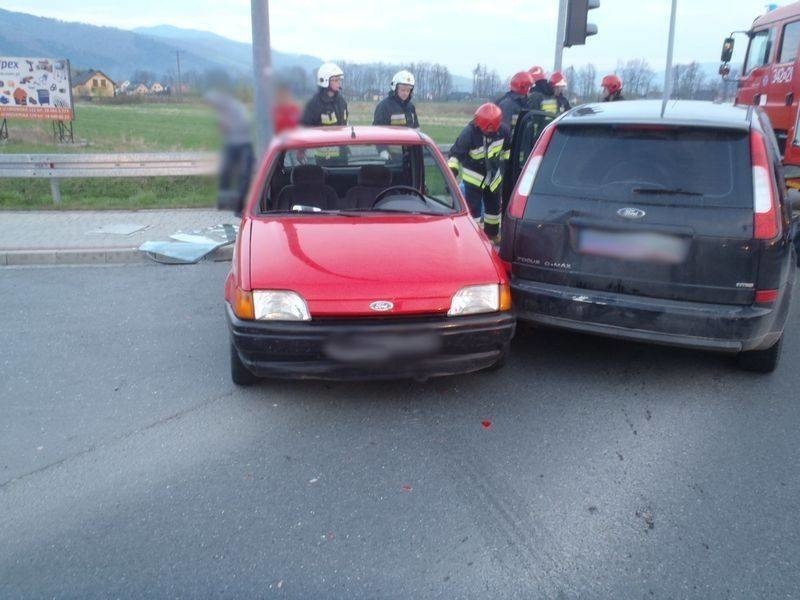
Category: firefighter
[478,156]
[327,107]
[612,86]
[559,84]
[541,95]
[397,108]
[516,98]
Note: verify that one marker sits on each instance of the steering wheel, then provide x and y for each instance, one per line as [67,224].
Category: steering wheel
[406,190]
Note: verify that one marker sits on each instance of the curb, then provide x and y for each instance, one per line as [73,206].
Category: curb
[93,256]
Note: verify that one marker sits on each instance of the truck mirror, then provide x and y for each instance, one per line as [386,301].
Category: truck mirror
[727,50]
[724,70]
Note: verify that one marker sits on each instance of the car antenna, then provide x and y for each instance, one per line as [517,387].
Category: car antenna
[352,132]
[668,75]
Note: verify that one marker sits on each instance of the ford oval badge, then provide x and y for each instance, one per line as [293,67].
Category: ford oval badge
[631,213]
[381,305]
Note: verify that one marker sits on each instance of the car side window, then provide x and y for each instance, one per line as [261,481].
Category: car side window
[789,42]
[759,50]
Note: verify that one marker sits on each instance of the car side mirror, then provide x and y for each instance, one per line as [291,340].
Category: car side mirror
[727,50]
[793,197]
[232,200]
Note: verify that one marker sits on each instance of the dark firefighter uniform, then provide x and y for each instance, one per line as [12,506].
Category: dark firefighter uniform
[480,159]
[511,104]
[562,104]
[393,111]
[615,97]
[324,110]
[541,97]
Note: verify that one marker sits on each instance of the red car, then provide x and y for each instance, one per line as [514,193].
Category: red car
[357,259]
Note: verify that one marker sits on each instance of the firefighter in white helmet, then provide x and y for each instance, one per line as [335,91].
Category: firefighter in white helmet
[328,106]
[397,108]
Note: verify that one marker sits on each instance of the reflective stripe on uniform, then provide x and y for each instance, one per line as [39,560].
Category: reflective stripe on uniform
[473,177]
[498,179]
[477,153]
[495,148]
[550,106]
[491,219]
[327,152]
[399,119]
[453,163]
[506,154]
[328,119]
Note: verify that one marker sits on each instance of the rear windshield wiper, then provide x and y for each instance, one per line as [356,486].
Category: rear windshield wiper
[665,191]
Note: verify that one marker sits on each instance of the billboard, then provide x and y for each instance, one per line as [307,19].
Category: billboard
[35,88]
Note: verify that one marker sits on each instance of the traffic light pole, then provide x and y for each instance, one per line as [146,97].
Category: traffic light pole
[262,71]
[668,74]
[561,31]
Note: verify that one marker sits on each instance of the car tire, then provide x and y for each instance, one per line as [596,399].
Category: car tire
[760,361]
[240,374]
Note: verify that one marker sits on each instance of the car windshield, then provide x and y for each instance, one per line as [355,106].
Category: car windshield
[686,166]
[359,179]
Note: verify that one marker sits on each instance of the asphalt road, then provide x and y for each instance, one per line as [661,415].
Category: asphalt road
[130,466]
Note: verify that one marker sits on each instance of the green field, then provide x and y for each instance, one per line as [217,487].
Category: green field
[150,127]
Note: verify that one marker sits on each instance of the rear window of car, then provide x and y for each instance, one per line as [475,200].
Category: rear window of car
[649,165]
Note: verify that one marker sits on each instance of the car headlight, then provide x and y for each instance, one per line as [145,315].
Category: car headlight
[475,299]
[273,305]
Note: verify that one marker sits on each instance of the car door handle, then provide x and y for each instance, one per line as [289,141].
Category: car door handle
[789,98]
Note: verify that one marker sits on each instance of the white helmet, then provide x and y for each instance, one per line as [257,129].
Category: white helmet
[405,77]
[326,71]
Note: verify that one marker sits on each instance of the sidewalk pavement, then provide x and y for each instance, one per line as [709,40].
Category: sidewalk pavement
[47,237]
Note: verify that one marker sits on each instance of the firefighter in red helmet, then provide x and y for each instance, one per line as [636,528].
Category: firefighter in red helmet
[612,85]
[478,156]
[542,96]
[559,84]
[516,98]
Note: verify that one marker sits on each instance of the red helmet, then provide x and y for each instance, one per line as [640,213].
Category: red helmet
[488,117]
[521,83]
[612,83]
[537,73]
[558,80]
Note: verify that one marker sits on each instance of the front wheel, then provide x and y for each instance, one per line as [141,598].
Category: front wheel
[240,374]
[761,361]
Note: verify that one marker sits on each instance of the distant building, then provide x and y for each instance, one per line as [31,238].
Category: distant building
[156,88]
[141,89]
[93,83]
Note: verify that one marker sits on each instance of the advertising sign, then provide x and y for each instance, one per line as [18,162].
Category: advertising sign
[35,88]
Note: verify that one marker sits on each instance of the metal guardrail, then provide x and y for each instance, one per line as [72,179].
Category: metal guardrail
[63,166]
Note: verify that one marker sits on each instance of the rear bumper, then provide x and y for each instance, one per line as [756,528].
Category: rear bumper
[372,348]
[718,327]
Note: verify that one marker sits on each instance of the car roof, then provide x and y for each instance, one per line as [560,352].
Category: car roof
[348,135]
[677,112]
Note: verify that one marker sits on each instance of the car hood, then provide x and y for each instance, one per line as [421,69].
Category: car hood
[341,265]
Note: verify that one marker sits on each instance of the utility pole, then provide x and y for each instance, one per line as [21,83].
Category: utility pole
[561,31]
[262,71]
[180,86]
[670,45]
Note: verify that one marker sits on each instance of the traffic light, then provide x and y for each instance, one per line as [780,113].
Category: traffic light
[578,29]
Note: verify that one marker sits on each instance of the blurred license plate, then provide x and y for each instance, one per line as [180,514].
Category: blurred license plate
[642,246]
[381,347]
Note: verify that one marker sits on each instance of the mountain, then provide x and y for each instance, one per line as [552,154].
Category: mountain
[119,53]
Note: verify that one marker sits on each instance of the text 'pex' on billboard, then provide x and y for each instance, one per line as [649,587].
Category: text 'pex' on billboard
[35,88]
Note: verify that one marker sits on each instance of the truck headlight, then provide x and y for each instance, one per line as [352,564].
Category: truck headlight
[475,299]
[274,305]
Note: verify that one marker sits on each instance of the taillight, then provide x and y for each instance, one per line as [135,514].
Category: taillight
[519,198]
[766,219]
[766,296]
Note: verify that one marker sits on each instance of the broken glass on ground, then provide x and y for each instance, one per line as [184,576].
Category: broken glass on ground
[190,247]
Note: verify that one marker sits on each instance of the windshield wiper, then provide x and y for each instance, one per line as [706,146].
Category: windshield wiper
[665,191]
[391,210]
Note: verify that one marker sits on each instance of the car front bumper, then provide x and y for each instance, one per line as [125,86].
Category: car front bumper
[378,348]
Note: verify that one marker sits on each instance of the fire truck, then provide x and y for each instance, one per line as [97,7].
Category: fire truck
[770,77]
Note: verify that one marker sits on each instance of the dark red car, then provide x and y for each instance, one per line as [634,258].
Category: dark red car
[357,259]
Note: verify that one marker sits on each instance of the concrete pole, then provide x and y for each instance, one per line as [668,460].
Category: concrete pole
[262,71]
[670,46]
[561,31]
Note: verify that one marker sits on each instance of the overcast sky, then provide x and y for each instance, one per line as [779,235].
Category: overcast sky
[508,35]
